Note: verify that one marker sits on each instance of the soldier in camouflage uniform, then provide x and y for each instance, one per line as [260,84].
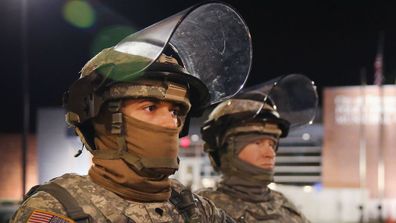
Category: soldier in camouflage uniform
[241,136]
[129,107]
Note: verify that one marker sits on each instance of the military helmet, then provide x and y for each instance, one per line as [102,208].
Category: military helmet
[282,103]
[239,116]
[207,60]
[165,79]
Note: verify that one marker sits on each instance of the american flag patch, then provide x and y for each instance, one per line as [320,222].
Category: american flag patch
[39,216]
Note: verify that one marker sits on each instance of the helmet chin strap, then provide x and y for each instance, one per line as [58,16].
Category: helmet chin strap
[117,129]
[79,151]
[114,108]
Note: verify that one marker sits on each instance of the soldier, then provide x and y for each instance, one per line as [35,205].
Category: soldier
[129,107]
[241,136]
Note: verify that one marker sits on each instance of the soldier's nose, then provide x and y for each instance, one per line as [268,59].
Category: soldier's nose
[167,118]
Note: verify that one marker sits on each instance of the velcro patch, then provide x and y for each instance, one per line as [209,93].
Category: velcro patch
[40,216]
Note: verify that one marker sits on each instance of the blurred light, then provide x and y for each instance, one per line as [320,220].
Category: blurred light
[318,187]
[208,182]
[306,136]
[272,186]
[79,13]
[185,142]
[195,138]
[307,189]
[109,37]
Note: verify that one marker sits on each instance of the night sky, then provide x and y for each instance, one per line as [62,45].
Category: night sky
[330,42]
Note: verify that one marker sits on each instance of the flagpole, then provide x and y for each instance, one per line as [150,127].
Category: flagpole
[362,144]
[378,65]
[381,164]
[25,94]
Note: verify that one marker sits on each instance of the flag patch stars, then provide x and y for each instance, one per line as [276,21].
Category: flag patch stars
[40,216]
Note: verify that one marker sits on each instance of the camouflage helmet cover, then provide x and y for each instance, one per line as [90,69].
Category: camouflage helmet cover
[200,36]
[287,101]
[198,43]
[236,115]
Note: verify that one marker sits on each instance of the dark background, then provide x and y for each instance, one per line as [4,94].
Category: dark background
[330,42]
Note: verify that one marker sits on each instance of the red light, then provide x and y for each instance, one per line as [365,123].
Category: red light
[185,142]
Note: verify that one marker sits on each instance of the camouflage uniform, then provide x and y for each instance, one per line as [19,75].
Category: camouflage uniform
[276,209]
[263,112]
[132,157]
[105,206]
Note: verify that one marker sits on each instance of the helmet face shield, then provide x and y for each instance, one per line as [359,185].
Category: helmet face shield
[293,96]
[211,39]
[287,101]
[215,46]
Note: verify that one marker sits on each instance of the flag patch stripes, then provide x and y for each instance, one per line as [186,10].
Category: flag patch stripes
[39,216]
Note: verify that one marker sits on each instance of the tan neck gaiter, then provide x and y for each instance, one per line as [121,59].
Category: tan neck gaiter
[154,147]
[242,179]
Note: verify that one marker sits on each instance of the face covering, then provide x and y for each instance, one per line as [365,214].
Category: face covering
[140,173]
[242,179]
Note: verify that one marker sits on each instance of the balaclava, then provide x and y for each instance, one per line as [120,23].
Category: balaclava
[241,178]
[140,171]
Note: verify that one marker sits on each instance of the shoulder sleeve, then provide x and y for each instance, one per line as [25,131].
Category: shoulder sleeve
[292,210]
[39,202]
[219,199]
[210,212]
[206,192]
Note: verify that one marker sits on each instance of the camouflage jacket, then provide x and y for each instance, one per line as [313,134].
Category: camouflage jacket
[105,206]
[277,209]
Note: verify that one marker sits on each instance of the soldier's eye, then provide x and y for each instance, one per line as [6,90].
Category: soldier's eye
[150,108]
[176,111]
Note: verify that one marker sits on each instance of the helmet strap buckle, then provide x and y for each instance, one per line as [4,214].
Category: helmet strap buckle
[117,123]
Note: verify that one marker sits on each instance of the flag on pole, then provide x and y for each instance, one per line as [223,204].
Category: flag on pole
[379,62]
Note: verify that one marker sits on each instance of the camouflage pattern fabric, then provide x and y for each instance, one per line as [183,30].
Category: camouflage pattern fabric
[105,206]
[278,209]
[233,106]
[151,89]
